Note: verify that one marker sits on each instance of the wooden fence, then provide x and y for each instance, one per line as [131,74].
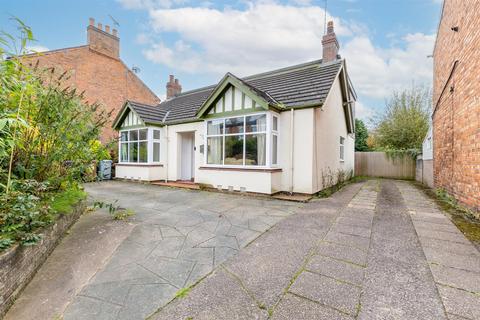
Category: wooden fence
[378,164]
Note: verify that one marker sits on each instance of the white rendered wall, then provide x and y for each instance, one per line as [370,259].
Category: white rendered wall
[139,172]
[330,125]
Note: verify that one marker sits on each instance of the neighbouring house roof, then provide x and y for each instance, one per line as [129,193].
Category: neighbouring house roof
[299,86]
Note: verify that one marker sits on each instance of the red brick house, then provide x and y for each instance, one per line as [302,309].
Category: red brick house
[456,113]
[97,69]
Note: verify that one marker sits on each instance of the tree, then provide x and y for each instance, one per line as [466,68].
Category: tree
[405,122]
[361,136]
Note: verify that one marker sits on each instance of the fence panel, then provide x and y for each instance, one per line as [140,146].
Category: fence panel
[378,164]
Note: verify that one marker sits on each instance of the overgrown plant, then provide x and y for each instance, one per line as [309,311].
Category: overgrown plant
[117,212]
[48,140]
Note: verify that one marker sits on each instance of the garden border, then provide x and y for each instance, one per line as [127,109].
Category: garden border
[19,263]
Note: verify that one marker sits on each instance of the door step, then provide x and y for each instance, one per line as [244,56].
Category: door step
[177,184]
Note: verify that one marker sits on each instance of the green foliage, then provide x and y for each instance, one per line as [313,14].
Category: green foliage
[405,122]
[361,136]
[64,201]
[47,131]
[22,212]
[117,212]
[48,140]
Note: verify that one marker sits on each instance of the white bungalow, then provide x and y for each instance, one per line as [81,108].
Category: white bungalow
[289,130]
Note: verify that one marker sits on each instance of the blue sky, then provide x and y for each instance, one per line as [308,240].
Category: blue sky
[386,43]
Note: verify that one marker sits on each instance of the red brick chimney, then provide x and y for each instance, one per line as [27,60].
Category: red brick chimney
[173,87]
[103,41]
[330,44]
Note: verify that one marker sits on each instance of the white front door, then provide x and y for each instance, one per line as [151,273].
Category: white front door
[187,157]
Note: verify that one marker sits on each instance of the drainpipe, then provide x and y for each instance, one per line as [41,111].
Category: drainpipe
[166,154]
[292,136]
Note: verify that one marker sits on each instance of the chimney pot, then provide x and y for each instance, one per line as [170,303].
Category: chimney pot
[330,44]
[330,27]
[91,21]
[107,28]
[99,26]
[115,32]
[173,87]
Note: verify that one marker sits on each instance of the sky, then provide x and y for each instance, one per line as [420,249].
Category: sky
[386,43]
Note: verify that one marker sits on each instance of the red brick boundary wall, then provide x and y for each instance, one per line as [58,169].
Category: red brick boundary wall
[456,102]
[19,264]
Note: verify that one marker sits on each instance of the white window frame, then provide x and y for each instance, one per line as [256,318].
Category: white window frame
[149,141]
[153,141]
[342,149]
[276,134]
[268,142]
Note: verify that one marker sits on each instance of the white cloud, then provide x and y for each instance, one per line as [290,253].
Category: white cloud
[377,71]
[265,35]
[35,49]
[150,4]
[363,112]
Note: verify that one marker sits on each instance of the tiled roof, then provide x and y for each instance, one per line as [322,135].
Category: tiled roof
[292,87]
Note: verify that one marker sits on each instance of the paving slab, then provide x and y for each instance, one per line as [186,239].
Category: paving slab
[458,278]
[460,302]
[394,287]
[328,291]
[336,269]
[298,308]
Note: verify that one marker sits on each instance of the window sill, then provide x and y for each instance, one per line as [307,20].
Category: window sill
[242,169]
[120,164]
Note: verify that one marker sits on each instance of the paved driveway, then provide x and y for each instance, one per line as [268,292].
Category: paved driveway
[381,250]
[180,237]
[374,250]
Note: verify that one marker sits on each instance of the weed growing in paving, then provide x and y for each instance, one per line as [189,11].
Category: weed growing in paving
[117,212]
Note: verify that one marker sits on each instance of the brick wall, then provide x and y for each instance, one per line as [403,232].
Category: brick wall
[19,264]
[96,69]
[456,118]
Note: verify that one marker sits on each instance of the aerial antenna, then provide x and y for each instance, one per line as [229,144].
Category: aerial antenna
[115,22]
[325,18]
[135,69]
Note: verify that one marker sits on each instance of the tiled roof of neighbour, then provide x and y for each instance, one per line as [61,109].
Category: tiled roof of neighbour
[292,87]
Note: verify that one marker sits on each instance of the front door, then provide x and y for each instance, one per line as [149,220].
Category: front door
[187,157]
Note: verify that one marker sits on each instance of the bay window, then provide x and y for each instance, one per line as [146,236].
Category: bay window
[241,141]
[139,145]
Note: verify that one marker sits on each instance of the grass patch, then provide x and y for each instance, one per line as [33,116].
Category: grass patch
[182,293]
[64,202]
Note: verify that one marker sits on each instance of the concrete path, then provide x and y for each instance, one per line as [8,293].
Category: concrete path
[380,250]
[87,247]
[180,237]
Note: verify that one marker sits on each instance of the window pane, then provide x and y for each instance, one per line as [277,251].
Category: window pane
[275,124]
[274,149]
[342,152]
[215,127]
[133,135]
[255,149]
[156,152]
[143,134]
[234,150]
[124,136]
[143,153]
[156,134]
[215,150]
[234,125]
[342,140]
[256,123]
[133,153]
[124,152]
